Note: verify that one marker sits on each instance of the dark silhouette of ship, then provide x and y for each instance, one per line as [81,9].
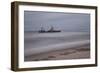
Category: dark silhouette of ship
[50,30]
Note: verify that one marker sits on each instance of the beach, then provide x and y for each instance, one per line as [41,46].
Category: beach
[56,46]
[76,53]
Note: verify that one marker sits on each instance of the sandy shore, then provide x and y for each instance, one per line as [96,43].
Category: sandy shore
[71,53]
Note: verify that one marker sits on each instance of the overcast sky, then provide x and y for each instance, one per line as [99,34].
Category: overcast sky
[34,20]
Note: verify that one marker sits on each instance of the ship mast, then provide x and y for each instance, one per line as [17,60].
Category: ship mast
[52,28]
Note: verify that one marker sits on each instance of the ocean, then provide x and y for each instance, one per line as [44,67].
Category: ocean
[35,43]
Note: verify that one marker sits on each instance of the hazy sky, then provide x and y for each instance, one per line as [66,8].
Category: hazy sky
[33,20]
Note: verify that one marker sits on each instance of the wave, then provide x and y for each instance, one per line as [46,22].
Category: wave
[39,43]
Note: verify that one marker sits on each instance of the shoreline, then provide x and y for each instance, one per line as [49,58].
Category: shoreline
[64,54]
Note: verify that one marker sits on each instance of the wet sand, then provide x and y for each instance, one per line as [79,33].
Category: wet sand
[64,54]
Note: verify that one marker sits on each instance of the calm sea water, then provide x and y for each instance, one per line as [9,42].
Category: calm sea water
[41,42]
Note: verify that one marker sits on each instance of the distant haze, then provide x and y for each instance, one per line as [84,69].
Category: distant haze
[67,22]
